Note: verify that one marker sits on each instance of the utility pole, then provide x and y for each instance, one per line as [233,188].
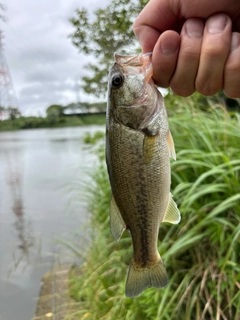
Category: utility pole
[7,94]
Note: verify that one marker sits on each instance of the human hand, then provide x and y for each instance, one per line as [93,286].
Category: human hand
[195,47]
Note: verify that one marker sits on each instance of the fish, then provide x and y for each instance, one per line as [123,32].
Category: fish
[139,145]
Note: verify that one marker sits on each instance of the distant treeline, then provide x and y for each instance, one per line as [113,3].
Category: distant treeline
[74,114]
[50,122]
[84,107]
[84,113]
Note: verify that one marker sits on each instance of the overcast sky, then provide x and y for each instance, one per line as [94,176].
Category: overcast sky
[45,67]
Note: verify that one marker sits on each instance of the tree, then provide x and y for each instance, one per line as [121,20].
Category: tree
[110,31]
[56,109]
[13,113]
[53,113]
[2,112]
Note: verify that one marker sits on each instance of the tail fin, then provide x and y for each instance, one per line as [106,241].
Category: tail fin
[140,279]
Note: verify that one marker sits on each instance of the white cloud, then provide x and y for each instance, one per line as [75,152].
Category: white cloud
[44,65]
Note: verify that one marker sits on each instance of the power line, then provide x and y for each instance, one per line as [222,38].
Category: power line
[8,97]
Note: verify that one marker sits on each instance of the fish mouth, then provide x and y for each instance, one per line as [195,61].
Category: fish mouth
[132,65]
[136,60]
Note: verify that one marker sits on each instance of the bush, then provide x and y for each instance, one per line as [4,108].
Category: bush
[201,254]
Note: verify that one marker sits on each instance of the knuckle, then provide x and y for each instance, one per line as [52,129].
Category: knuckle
[208,88]
[136,28]
[232,80]
[233,93]
[213,52]
[163,83]
[183,91]
[216,48]
[191,52]
[232,67]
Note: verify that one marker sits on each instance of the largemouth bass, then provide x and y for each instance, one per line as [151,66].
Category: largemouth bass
[138,147]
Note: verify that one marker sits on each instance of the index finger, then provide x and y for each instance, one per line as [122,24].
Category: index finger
[154,19]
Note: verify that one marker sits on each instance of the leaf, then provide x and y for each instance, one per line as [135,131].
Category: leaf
[109,31]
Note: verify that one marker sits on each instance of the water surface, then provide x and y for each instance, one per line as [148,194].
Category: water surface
[43,174]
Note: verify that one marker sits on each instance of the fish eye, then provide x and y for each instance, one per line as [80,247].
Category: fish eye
[117,80]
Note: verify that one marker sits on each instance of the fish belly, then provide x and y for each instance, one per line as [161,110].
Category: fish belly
[140,189]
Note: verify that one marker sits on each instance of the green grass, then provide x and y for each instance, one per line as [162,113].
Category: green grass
[93,139]
[202,253]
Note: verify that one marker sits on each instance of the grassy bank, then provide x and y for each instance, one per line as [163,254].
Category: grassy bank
[201,254]
[48,122]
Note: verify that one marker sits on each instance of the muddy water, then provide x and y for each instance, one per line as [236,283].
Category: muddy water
[43,174]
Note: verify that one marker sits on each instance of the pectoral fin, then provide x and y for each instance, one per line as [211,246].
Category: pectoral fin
[171,148]
[149,148]
[116,221]
[172,213]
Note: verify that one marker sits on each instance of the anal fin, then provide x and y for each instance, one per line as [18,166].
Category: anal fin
[116,221]
[172,213]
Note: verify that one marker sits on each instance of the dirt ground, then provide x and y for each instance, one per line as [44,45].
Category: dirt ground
[54,302]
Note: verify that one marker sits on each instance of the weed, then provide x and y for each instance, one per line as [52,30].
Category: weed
[201,254]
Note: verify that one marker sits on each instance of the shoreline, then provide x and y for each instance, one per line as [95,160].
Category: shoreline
[54,301]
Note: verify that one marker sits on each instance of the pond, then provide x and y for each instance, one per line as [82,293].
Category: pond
[43,177]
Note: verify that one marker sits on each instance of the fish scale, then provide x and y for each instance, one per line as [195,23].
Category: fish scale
[133,196]
[138,145]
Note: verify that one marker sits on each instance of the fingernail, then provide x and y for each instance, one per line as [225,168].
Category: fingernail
[168,46]
[217,23]
[194,28]
[235,41]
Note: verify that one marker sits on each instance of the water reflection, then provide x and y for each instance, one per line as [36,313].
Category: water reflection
[23,226]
